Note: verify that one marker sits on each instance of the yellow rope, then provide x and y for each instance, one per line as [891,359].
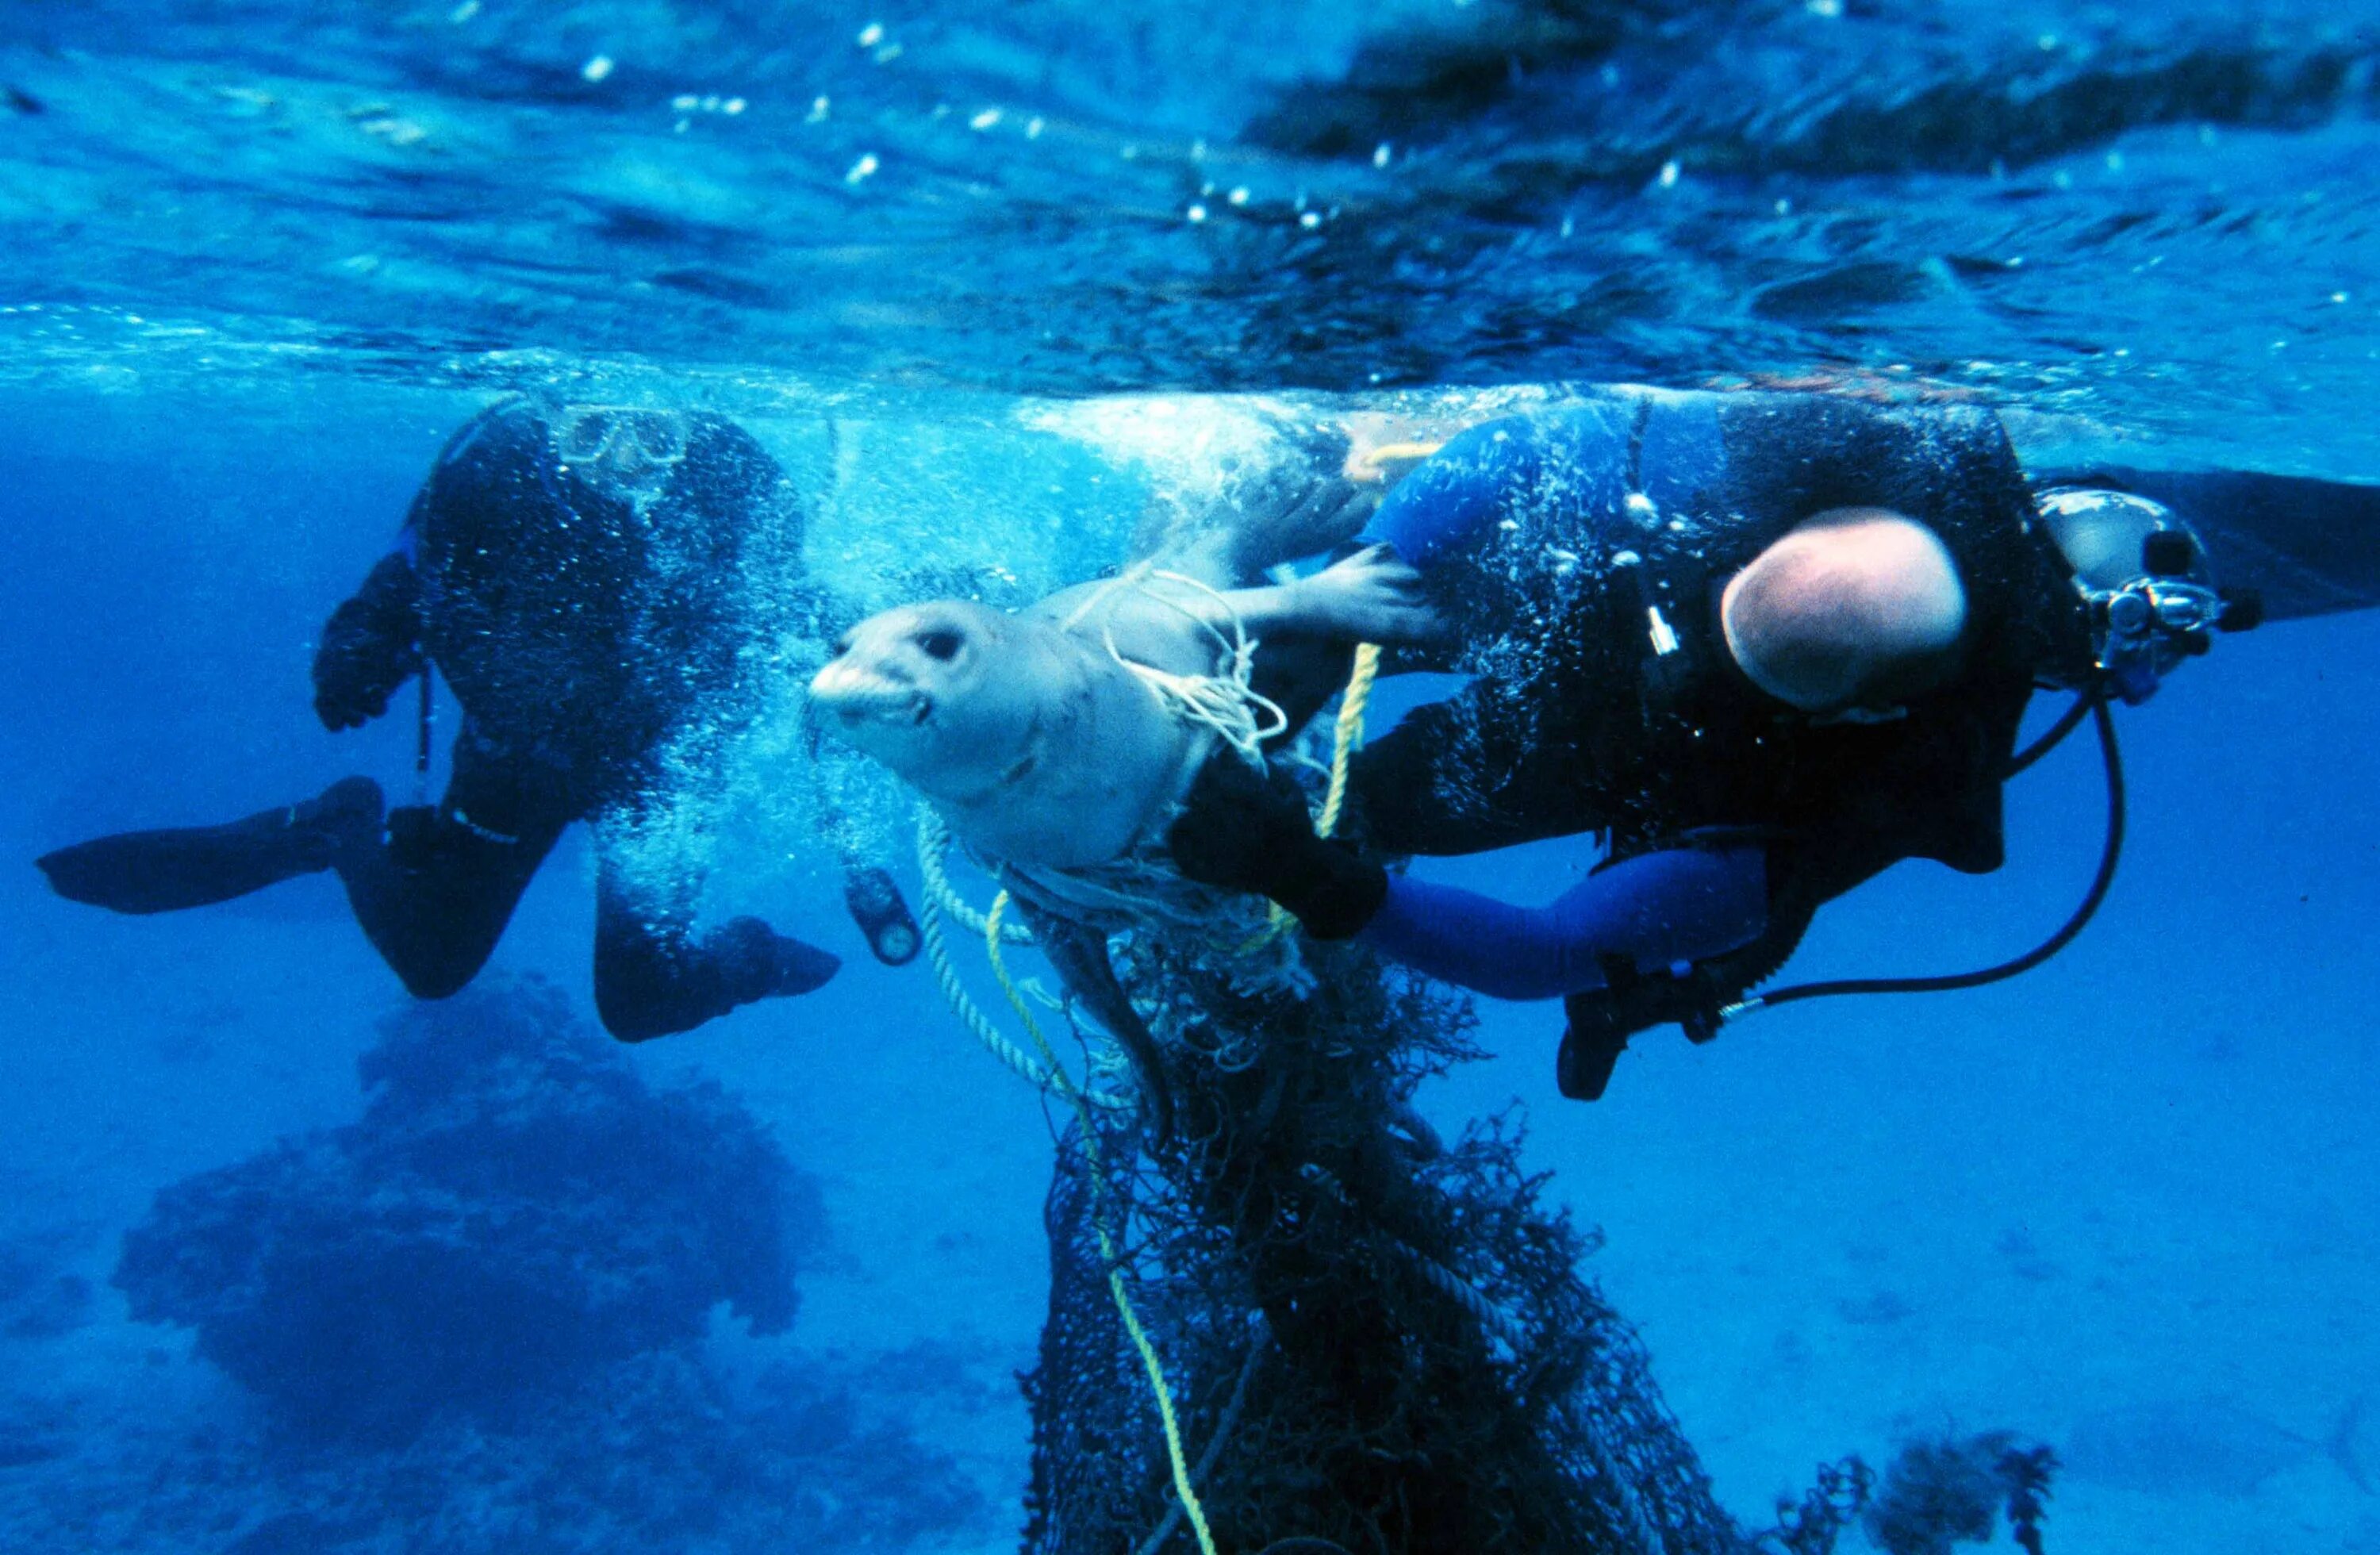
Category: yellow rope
[1180,1462]
[1345,738]
[1373,465]
[1350,733]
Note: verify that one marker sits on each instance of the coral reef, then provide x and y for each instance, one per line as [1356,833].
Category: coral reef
[655,1452]
[514,1209]
[474,1323]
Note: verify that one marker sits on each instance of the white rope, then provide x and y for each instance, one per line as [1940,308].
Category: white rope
[1226,701]
[1140,890]
[932,842]
[967,915]
[1470,1298]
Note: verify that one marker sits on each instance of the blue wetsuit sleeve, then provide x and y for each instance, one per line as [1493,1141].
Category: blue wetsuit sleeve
[1655,910]
[1450,503]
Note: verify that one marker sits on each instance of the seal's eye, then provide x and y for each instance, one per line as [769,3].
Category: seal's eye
[940,645]
[841,646]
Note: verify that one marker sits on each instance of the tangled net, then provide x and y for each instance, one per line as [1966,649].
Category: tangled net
[1374,1343]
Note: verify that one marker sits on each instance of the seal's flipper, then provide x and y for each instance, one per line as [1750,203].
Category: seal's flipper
[1080,955]
[1368,596]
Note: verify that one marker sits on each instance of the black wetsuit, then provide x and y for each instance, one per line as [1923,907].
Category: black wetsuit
[1580,552]
[604,639]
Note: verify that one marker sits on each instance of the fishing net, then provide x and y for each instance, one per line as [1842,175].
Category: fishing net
[1372,1340]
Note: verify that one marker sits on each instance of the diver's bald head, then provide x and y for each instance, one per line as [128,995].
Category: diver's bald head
[1859,607]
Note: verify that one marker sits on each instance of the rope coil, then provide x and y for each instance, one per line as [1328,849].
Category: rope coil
[933,841]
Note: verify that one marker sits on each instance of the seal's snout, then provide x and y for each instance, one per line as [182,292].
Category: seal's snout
[855,690]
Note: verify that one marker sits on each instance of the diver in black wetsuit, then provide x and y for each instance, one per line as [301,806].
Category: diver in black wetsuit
[1767,645]
[600,586]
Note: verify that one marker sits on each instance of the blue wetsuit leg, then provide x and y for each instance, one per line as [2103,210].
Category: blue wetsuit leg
[1657,909]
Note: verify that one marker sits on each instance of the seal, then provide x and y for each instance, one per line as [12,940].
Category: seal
[1060,736]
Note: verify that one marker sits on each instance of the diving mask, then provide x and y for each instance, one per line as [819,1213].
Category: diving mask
[2144,582]
[627,447]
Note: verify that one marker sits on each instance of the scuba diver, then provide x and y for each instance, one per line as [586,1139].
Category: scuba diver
[1765,645]
[602,586]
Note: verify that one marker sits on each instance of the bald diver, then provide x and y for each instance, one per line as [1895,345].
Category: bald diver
[596,584]
[1759,646]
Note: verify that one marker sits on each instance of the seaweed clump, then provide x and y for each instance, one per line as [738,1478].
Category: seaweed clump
[1939,1494]
[1374,1342]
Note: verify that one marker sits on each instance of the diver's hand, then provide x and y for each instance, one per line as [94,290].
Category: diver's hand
[1244,829]
[1234,824]
[368,647]
[1297,501]
[353,675]
[1370,596]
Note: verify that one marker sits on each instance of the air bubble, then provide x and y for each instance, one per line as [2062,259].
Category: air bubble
[597,68]
[862,169]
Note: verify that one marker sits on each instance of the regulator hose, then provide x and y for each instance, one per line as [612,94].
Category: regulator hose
[2093,701]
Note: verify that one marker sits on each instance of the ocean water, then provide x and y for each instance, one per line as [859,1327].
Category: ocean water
[977,276]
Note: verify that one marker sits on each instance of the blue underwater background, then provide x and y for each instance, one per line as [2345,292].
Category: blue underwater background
[257,261]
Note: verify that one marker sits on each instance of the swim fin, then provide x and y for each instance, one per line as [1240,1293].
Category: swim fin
[652,982]
[1600,1021]
[164,871]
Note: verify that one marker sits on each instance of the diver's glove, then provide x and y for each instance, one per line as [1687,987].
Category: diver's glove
[1245,829]
[369,647]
